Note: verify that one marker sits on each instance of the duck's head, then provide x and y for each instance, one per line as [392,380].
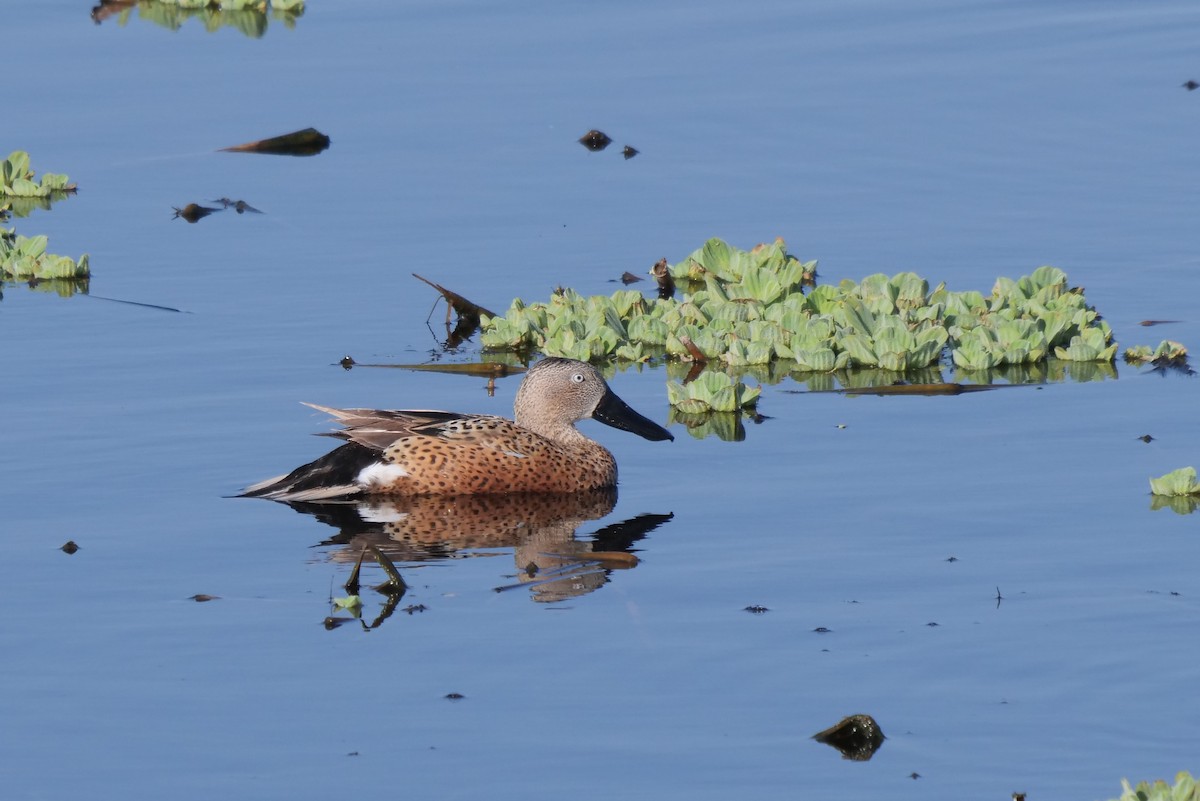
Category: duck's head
[557,393]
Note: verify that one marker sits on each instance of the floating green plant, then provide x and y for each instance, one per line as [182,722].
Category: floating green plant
[248,16]
[16,179]
[1167,349]
[1177,483]
[25,258]
[20,193]
[712,392]
[748,308]
[1185,789]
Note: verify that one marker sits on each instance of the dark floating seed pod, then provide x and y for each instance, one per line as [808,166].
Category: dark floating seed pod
[193,212]
[858,737]
[595,141]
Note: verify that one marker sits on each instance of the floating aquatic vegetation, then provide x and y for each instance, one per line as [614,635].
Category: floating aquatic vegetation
[712,391]
[1185,789]
[20,194]
[1169,355]
[308,142]
[248,16]
[16,178]
[1177,483]
[25,259]
[749,308]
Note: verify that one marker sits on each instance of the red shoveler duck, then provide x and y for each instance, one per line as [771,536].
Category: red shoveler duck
[410,452]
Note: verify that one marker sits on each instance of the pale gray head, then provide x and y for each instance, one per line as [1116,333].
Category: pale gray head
[557,393]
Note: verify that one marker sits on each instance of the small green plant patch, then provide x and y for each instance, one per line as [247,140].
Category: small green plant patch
[20,193]
[17,179]
[1177,483]
[1185,789]
[746,309]
[712,392]
[25,259]
[248,16]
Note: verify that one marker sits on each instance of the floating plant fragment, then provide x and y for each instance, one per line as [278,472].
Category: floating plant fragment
[25,259]
[595,141]
[1177,483]
[1185,789]
[308,142]
[1169,355]
[712,391]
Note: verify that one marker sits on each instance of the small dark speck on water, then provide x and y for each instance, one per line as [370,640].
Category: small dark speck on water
[1146,438]
[69,547]
[756,609]
[629,152]
[1191,86]
[932,623]
[914,775]
[823,630]
[951,558]
[201,598]
[455,696]
[352,753]
[595,141]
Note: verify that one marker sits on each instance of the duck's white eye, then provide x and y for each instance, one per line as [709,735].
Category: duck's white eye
[577,378]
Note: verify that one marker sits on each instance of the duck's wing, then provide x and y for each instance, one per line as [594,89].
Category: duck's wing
[377,429]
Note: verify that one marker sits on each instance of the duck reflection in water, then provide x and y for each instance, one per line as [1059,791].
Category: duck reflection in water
[539,527]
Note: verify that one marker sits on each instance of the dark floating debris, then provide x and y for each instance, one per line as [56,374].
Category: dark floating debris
[1146,438]
[755,609]
[201,598]
[913,389]
[1190,85]
[858,737]
[822,630]
[629,152]
[595,141]
[308,142]
[628,278]
[69,547]
[454,696]
[240,206]
[193,212]
[662,275]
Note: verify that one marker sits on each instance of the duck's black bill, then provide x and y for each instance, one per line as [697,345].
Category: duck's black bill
[612,411]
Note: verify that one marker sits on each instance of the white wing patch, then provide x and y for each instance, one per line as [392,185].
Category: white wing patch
[379,474]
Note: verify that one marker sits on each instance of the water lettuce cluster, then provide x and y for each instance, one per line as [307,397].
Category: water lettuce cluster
[1177,483]
[25,259]
[712,392]
[16,179]
[1167,351]
[248,16]
[1185,789]
[744,308]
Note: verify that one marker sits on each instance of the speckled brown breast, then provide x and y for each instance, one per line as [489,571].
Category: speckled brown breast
[496,457]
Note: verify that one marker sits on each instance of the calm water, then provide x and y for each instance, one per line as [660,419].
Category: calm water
[960,140]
